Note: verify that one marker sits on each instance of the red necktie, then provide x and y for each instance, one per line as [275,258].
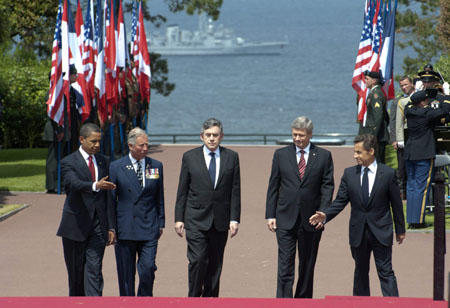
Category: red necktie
[92,168]
[302,164]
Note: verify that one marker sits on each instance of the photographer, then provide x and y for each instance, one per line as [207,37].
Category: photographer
[420,151]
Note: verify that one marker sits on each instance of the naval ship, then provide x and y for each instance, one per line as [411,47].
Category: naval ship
[209,39]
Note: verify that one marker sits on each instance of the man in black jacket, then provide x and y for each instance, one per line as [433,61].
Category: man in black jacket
[420,151]
[372,190]
[301,183]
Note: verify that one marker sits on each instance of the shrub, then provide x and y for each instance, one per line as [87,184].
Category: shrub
[23,88]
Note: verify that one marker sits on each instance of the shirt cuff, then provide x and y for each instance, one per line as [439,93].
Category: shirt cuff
[234,221]
[94,187]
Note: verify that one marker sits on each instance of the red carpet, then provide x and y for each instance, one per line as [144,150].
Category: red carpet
[178,302]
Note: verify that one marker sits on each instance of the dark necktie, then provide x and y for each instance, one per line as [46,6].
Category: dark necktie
[92,168]
[139,174]
[365,186]
[302,164]
[212,168]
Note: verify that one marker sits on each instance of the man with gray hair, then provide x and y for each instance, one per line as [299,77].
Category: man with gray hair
[208,206]
[139,203]
[301,183]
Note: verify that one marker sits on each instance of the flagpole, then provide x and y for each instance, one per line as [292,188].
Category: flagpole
[111,136]
[59,168]
[122,148]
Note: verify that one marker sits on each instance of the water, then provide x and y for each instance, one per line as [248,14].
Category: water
[263,94]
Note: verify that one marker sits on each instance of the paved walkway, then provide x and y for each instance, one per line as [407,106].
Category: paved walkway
[31,259]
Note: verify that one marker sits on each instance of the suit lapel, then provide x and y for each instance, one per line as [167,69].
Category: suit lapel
[223,162]
[376,183]
[357,183]
[83,165]
[130,173]
[292,157]
[100,167]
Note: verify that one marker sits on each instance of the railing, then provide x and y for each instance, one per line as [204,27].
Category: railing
[322,139]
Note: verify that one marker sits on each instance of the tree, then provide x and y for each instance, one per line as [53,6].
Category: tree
[444,26]
[29,27]
[423,26]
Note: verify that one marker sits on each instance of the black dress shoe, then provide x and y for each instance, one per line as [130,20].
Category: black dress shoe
[419,225]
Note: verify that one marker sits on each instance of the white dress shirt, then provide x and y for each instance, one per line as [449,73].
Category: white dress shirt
[94,161]
[306,154]
[371,174]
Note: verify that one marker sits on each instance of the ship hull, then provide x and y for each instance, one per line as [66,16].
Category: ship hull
[268,48]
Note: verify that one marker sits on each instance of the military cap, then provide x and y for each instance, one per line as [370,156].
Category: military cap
[418,97]
[428,67]
[72,69]
[375,75]
[428,76]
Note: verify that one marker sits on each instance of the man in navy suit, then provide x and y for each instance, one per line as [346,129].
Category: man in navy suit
[88,218]
[373,192]
[208,205]
[301,183]
[139,200]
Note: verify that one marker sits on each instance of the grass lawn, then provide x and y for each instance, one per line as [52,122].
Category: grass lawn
[6,208]
[22,169]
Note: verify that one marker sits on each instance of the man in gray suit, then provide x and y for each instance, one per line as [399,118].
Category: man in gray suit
[372,190]
[208,205]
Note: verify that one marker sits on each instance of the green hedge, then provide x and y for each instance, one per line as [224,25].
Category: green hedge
[23,88]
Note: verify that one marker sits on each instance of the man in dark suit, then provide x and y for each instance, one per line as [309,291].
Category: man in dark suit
[139,199]
[372,190]
[208,205]
[88,218]
[301,183]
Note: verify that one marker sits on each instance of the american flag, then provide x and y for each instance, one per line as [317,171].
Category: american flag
[88,57]
[110,55]
[72,56]
[364,52]
[55,103]
[374,64]
[368,53]
[100,69]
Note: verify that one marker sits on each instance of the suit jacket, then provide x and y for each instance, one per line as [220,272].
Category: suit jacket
[287,195]
[199,204]
[377,119]
[140,213]
[393,119]
[400,122]
[81,202]
[421,122]
[385,195]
